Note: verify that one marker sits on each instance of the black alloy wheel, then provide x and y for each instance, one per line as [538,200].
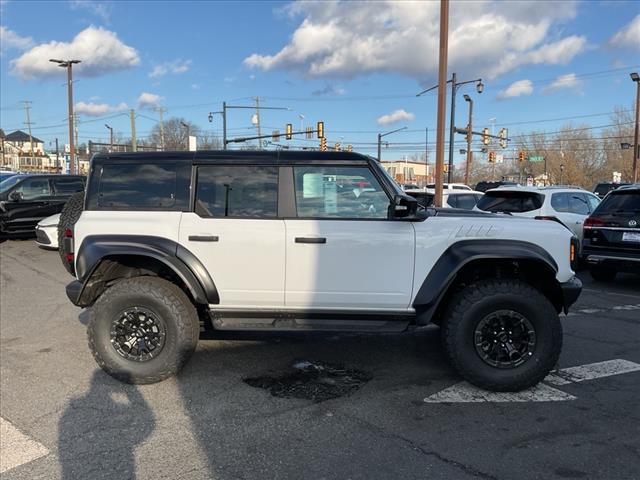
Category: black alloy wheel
[138,334]
[505,339]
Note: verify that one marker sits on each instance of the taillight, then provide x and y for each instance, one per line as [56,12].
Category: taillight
[69,257]
[593,222]
[68,233]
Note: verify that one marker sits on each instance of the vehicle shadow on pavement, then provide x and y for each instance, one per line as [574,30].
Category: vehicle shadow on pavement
[87,429]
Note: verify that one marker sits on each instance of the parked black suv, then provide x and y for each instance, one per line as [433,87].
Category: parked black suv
[601,189]
[612,234]
[27,199]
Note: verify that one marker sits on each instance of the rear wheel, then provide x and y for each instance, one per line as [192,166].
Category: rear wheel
[502,335]
[602,274]
[143,330]
[68,217]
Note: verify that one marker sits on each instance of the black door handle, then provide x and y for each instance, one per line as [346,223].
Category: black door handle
[203,238]
[311,240]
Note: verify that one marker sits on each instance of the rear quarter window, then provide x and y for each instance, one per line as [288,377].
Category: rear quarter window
[142,186]
[509,201]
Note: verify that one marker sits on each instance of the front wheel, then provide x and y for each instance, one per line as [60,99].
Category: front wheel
[143,330]
[502,335]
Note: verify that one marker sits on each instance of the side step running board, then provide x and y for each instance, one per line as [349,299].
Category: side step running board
[288,321]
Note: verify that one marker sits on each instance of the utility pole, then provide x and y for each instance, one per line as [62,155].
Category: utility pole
[258,121]
[27,107]
[57,157]
[134,144]
[426,155]
[75,136]
[380,135]
[224,125]
[442,97]
[68,64]
[186,126]
[636,148]
[161,111]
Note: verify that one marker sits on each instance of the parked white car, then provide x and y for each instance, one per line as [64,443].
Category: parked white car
[566,205]
[449,186]
[47,232]
[465,199]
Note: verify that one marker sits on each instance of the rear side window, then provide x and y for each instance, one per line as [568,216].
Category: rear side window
[620,202]
[505,201]
[560,202]
[578,204]
[237,191]
[142,186]
[67,186]
[466,201]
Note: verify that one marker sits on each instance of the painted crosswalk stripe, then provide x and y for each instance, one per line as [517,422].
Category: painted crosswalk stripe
[17,448]
[592,371]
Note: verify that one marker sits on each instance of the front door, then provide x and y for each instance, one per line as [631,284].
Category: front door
[342,251]
[236,233]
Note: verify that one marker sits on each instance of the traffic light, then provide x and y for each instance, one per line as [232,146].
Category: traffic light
[275,135]
[446,168]
[320,129]
[492,157]
[336,147]
[521,156]
[349,148]
[323,144]
[503,137]
[289,131]
[485,136]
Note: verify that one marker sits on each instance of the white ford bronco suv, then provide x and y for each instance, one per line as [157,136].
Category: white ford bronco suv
[305,241]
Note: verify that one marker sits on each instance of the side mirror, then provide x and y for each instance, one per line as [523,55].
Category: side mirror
[16,196]
[403,206]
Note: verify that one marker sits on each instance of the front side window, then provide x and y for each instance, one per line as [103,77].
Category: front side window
[339,192]
[465,201]
[237,191]
[67,186]
[593,202]
[34,188]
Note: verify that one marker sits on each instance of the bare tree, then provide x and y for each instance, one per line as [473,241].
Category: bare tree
[175,133]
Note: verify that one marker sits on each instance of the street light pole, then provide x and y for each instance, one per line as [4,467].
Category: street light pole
[110,137]
[636,148]
[68,64]
[186,126]
[380,135]
[469,138]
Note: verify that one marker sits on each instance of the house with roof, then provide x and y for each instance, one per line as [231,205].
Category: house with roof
[22,152]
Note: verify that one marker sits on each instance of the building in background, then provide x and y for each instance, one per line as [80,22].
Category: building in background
[409,171]
[24,153]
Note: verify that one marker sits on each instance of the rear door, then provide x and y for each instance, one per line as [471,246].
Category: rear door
[236,233]
[342,250]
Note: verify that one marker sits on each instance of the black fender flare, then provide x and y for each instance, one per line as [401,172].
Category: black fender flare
[181,261]
[459,254]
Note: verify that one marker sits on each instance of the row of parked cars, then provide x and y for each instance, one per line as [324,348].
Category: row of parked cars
[608,230]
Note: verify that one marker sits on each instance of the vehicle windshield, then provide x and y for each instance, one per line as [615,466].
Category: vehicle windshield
[7,183]
[509,201]
[620,202]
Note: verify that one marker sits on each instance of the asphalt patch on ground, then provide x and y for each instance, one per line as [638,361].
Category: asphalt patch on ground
[315,381]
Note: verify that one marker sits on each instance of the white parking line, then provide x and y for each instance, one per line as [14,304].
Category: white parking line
[592,371]
[590,290]
[17,448]
[464,392]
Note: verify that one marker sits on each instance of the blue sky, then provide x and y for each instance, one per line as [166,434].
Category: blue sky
[355,65]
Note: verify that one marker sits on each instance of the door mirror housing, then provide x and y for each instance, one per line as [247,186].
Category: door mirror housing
[16,196]
[404,207]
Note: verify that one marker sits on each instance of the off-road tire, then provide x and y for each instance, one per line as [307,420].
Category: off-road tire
[170,304]
[68,217]
[473,303]
[602,274]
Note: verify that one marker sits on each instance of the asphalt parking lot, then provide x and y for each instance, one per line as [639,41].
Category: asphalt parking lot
[62,417]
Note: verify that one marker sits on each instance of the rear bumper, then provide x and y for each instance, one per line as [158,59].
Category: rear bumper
[620,260]
[570,292]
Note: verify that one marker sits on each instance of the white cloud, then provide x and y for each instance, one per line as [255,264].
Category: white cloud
[329,90]
[97,109]
[99,9]
[395,116]
[176,67]
[564,82]
[517,89]
[100,50]
[148,100]
[487,38]
[11,40]
[628,36]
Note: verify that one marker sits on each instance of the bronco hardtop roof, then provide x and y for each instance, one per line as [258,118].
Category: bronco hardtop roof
[284,156]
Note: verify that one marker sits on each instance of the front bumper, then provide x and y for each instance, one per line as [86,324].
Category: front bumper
[570,292]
